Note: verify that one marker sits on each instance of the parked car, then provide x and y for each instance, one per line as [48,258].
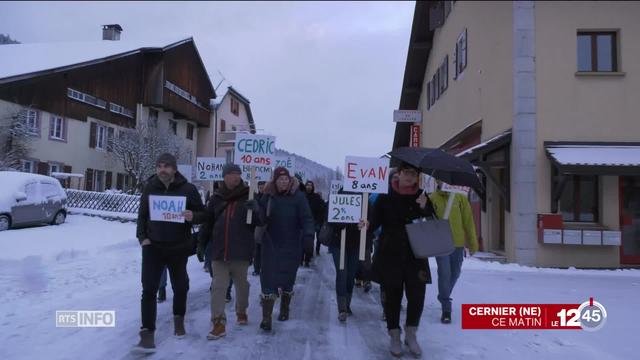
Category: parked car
[30,199]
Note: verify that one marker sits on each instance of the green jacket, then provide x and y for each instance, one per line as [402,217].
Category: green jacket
[460,218]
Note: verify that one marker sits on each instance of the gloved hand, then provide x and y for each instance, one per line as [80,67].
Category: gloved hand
[252,205]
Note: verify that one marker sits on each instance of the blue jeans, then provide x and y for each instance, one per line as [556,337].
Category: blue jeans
[448,272]
[345,279]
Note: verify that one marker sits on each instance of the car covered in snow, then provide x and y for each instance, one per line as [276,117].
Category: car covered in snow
[30,199]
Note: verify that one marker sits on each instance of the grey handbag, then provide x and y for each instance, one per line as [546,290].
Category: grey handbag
[430,238]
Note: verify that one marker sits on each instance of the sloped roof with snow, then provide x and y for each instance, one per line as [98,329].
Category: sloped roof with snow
[19,61]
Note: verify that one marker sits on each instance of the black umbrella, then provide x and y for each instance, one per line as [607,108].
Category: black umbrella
[441,165]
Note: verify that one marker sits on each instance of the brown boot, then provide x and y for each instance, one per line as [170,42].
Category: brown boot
[218,330]
[147,344]
[178,324]
[243,319]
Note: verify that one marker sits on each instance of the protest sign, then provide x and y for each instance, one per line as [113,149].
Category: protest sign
[255,150]
[366,175]
[209,169]
[345,208]
[167,208]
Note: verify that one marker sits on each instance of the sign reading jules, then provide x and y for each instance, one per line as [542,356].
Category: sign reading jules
[345,208]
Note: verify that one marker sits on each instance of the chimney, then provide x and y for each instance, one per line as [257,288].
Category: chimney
[111,32]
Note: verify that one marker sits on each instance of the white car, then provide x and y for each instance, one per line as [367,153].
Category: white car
[30,199]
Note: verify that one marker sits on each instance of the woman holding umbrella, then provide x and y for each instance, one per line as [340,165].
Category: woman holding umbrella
[400,271]
[454,171]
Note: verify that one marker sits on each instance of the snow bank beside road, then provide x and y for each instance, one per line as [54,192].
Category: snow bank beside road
[78,235]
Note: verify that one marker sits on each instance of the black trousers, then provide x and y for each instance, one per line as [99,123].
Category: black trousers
[257,258]
[405,280]
[154,258]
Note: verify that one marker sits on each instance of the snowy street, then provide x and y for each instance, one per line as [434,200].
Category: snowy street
[92,264]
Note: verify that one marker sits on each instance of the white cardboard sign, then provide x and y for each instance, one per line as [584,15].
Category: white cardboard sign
[263,173]
[345,208]
[167,208]
[455,189]
[336,185]
[287,162]
[366,175]
[255,150]
[209,169]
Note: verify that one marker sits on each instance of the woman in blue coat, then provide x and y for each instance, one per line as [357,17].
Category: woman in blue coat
[289,224]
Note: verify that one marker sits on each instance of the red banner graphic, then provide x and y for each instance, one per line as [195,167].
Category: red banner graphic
[521,316]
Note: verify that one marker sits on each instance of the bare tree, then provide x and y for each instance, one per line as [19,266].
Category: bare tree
[15,140]
[137,149]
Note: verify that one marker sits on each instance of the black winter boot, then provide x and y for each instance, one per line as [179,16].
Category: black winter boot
[342,308]
[446,317]
[267,303]
[285,301]
[349,312]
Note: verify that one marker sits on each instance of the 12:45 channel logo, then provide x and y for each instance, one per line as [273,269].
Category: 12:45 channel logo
[591,316]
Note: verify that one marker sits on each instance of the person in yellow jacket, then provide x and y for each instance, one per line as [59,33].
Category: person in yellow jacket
[463,229]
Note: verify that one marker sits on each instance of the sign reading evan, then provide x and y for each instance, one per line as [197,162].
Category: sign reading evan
[345,208]
[167,208]
[255,150]
[366,175]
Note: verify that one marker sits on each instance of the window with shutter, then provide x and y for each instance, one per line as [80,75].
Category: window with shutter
[110,136]
[461,52]
[455,62]
[92,135]
[57,128]
[428,95]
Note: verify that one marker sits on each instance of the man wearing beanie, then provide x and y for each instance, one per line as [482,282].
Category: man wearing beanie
[231,246]
[165,244]
[289,225]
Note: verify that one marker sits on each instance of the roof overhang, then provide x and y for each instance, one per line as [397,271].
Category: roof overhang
[493,144]
[420,43]
[594,158]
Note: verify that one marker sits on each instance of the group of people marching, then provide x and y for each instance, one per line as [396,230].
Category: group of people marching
[276,231]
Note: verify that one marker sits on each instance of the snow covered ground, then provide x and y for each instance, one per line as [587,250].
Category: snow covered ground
[92,264]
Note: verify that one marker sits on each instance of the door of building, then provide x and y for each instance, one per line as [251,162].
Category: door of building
[630,219]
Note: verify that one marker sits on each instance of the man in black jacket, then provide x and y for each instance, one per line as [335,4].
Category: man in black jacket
[319,212]
[166,244]
[232,246]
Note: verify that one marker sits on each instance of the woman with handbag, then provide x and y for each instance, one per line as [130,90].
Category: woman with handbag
[400,271]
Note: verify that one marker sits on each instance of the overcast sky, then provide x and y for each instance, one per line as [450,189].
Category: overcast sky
[323,77]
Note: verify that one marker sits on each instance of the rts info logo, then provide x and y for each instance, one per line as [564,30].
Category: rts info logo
[86,318]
